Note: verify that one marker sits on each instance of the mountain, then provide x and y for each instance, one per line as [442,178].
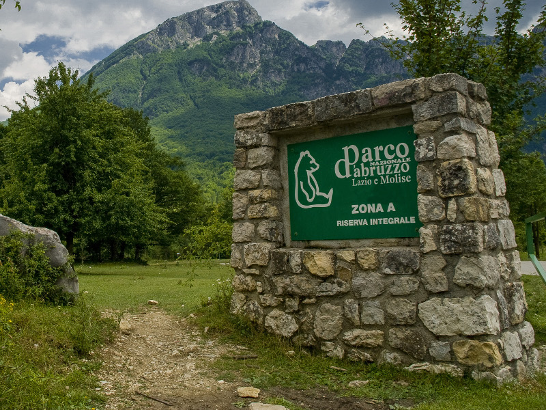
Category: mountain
[194,72]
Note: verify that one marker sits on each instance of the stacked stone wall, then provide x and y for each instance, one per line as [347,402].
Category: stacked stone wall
[451,301]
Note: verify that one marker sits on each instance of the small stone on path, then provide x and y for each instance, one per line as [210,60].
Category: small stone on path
[358,383]
[153,302]
[261,406]
[248,392]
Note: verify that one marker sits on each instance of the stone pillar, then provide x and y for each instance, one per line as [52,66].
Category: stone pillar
[449,301]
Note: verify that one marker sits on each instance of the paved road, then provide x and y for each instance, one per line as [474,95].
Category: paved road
[527,267]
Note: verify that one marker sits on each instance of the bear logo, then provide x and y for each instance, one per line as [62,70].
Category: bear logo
[308,193]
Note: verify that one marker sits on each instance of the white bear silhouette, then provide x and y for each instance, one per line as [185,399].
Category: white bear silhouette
[308,193]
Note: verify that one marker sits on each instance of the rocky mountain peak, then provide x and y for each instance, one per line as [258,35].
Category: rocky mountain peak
[191,28]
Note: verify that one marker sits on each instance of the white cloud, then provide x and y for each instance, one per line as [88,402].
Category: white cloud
[12,93]
[26,66]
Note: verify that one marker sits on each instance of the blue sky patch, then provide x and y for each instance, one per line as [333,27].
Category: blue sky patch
[317,5]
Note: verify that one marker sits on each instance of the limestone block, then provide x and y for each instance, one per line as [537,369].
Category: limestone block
[328,321]
[432,275]
[295,261]
[347,256]
[488,153]
[425,149]
[367,258]
[441,351]
[253,138]
[299,114]
[514,264]
[270,301]
[243,283]
[345,265]
[249,120]
[450,102]
[426,127]
[271,179]
[517,305]
[461,238]
[474,352]
[299,285]
[477,91]
[479,272]
[368,284]
[499,208]
[401,311]
[460,316]
[431,208]
[343,105]
[270,231]
[393,358]
[242,232]
[400,262]
[356,355]
[261,156]
[504,314]
[410,341]
[425,179]
[240,204]
[279,261]
[403,285]
[504,375]
[486,184]
[351,311]
[448,82]
[333,288]
[281,323]
[237,260]
[251,271]
[527,335]
[253,311]
[292,304]
[319,263]
[500,184]
[452,210]
[427,238]
[461,124]
[265,210]
[507,234]
[456,178]
[246,179]
[456,147]
[257,254]
[239,158]
[512,346]
[259,287]
[400,92]
[491,239]
[433,368]
[364,338]
[333,350]
[479,111]
[238,301]
[257,196]
[474,208]
[372,314]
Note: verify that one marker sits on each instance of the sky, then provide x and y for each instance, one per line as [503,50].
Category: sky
[81,32]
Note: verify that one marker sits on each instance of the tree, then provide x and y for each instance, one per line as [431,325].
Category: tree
[441,37]
[17,4]
[83,167]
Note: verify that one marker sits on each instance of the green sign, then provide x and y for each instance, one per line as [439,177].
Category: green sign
[353,187]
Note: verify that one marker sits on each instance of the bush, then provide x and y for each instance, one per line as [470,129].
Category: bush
[26,272]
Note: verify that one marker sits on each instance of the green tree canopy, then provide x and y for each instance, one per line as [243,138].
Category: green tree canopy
[87,169]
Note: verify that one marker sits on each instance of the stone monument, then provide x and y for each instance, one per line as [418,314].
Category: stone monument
[372,225]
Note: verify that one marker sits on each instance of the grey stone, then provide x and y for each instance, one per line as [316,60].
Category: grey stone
[239,158]
[356,355]
[364,338]
[257,253]
[243,232]
[432,275]
[333,288]
[265,210]
[500,184]
[258,157]
[253,138]
[257,196]
[507,234]
[426,127]
[479,111]
[486,184]
[488,153]
[400,262]
[253,311]
[442,368]
[477,91]
[261,406]
[328,321]
[499,208]
[246,179]
[456,178]
[299,114]
[460,316]
[504,375]
[425,149]
[492,238]
[480,272]
[243,283]
[295,261]
[427,238]
[270,301]
[368,284]
[504,315]
[393,358]
[452,210]
[461,124]
[425,179]
[238,301]
[271,231]
[400,92]
[240,204]
[410,341]
[333,350]
[281,323]
[271,179]
[440,351]
[343,105]
[249,120]
[292,304]
[351,311]
[461,238]
[512,346]
[372,314]
[404,285]
[450,102]
[237,260]
[474,208]
[431,208]
[527,335]
[298,285]
[515,298]
[456,147]
[278,261]
[447,82]
[485,376]
[514,264]
[401,311]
